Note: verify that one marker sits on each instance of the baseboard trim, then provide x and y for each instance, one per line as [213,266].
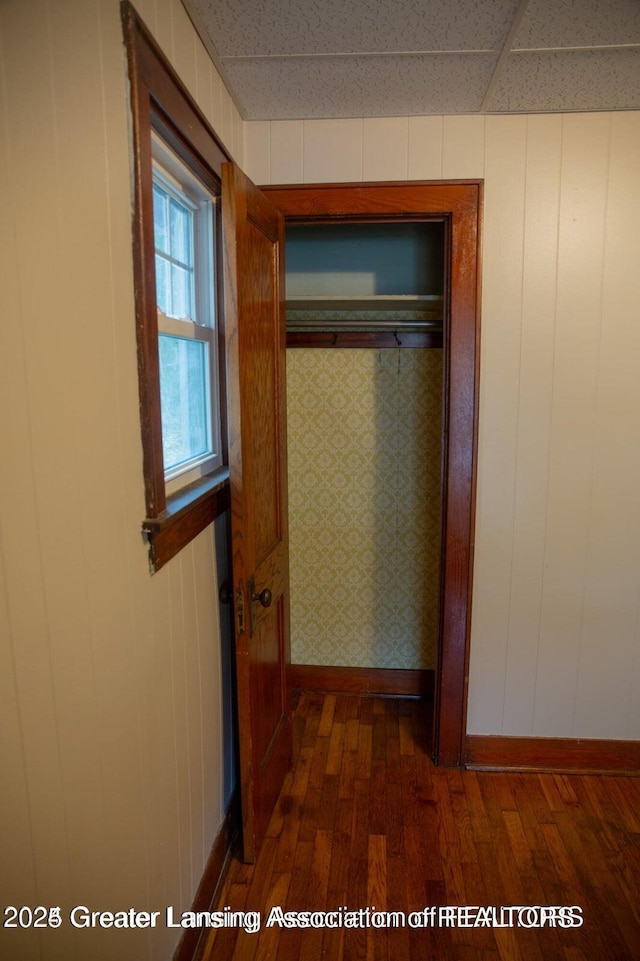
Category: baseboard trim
[559,755]
[192,943]
[361,680]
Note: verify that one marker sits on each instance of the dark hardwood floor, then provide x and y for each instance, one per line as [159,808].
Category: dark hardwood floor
[365,820]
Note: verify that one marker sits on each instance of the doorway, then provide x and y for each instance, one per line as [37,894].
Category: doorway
[364,417]
[457,207]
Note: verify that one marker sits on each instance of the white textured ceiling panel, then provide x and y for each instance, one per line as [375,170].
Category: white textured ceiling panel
[297,59]
[569,80]
[579,23]
[250,28]
[361,86]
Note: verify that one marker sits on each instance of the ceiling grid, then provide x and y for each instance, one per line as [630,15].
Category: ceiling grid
[311,59]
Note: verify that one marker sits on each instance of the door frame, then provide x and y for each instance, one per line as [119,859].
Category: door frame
[459,204]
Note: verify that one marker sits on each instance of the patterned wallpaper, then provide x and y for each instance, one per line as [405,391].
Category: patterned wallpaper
[364,433]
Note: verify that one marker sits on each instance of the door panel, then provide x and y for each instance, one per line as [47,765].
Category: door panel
[255,333]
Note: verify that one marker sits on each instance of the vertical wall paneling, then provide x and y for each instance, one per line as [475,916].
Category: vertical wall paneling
[226,117]
[555,635]
[27,131]
[112,688]
[193,715]
[237,148]
[203,87]
[180,725]
[585,158]
[332,151]
[425,148]
[258,150]
[163,31]
[165,885]
[463,146]
[147,11]
[184,48]
[612,579]
[535,398]
[82,186]
[500,351]
[216,97]
[287,158]
[17,846]
[385,148]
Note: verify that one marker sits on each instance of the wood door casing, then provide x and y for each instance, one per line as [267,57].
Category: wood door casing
[255,334]
[459,203]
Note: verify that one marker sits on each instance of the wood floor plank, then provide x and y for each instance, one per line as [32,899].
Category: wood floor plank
[365,820]
[309,823]
[337,891]
[378,736]
[377,797]
[377,872]
[405,727]
[320,865]
[326,719]
[475,805]
[349,760]
[328,801]
[336,746]
[397,900]
[394,820]
[363,760]
[288,839]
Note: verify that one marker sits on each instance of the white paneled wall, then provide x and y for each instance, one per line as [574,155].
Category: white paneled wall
[114,785]
[555,646]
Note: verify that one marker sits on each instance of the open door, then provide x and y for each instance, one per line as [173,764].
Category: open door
[255,332]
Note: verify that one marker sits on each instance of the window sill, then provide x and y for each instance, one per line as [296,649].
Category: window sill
[187,513]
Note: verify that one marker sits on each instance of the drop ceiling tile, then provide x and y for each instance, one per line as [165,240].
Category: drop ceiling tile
[284,27]
[569,80]
[579,23]
[360,86]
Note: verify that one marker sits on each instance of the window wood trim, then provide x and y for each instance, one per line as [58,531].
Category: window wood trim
[160,102]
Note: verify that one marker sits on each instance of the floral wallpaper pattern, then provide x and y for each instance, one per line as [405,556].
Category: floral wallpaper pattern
[364,437]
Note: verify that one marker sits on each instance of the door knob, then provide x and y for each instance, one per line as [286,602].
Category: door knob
[264,597]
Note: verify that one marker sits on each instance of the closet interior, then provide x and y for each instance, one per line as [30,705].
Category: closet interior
[365,307]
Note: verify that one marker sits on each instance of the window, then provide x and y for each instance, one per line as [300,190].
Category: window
[180,330]
[184,241]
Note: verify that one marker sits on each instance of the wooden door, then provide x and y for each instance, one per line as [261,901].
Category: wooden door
[255,330]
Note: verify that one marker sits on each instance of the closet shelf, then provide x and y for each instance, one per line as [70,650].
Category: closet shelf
[377,312]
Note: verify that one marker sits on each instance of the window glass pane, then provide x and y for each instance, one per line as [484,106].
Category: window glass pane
[173,224]
[184,399]
[160,226]
[163,285]
[180,293]
[180,219]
